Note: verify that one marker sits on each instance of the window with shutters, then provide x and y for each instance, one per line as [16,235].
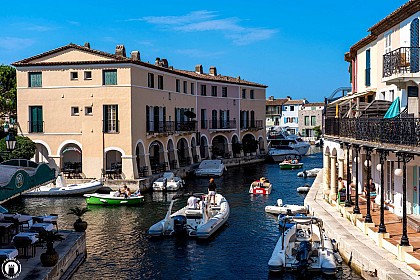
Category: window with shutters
[367,70]
[224,91]
[35,79]
[213,90]
[110,118]
[109,77]
[151,80]
[243,93]
[203,90]
[36,123]
[192,89]
[160,82]
[313,120]
[185,86]
[178,85]
[251,94]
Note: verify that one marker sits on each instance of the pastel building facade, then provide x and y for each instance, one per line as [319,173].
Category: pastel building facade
[310,116]
[91,111]
[290,115]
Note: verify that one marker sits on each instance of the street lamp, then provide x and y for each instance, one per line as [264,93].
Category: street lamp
[10,142]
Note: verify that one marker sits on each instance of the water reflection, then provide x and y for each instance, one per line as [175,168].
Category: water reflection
[119,248]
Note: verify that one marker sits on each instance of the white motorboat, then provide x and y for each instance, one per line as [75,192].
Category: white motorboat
[169,182]
[281,143]
[200,223]
[210,167]
[62,189]
[281,152]
[289,209]
[304,248]
[309,173]
[262,186]
[303,189]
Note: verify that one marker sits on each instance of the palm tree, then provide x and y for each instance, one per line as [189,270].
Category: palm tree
[79,212]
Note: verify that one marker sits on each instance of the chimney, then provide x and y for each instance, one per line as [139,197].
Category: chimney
[271,98]
[157,61]
[288,97]
[87,45]
[120,50]
[213,71]
[135,55]
[164,63]
[199,69]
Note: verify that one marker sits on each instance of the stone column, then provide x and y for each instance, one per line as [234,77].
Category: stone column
[147,162]
[128,166]
[176,158]
[341,168]
[210,149]
[326,172]
[166,159]
[333,182]
[230,151]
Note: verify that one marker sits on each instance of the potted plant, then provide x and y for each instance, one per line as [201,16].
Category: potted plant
[50,256]
[79,225]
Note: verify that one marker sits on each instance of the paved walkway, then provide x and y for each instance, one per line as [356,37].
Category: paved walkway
[365,255]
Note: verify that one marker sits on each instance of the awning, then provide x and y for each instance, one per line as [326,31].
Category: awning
[348,97]
[393,110]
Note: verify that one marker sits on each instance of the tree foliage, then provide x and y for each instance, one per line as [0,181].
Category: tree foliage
[7,91]
[25,148]
[318,132]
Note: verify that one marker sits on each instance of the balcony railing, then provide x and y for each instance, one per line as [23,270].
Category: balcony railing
[252,124]
[399,131]
[222,124]
[35,126]
[163,127]
[400,61]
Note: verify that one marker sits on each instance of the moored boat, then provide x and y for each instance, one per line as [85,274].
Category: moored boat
[168,182]
[210,167]
[303,189]
[62,189]
[289,165]
[262,186]
[309,173]
[112,199]
[200,221]
[289,209]
[304,248]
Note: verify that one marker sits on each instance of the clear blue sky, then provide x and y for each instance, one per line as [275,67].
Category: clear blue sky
[295,47]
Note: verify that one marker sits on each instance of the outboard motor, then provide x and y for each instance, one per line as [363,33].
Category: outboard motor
[302,255]
[180,224]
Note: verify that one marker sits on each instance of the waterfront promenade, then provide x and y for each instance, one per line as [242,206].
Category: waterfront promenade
[366,257]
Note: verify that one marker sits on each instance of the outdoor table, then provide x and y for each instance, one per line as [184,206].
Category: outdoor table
[8,253]
[46,219]
[19,218]
[6,230]
[25,241]
[38,227]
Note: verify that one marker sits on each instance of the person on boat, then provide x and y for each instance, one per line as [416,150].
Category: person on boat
[117,193]
[261,182]
[193,202]
[212,191]
[127,192]
[137,193]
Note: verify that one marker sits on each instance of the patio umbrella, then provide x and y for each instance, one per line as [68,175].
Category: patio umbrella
[393,110]
[189,114]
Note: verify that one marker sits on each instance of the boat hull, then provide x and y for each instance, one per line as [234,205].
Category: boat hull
[70,190]
[260,190]
[294,209]
[98,199]
[289,166]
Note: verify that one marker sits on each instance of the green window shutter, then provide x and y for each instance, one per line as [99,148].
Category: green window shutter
[110,77]
[147,119]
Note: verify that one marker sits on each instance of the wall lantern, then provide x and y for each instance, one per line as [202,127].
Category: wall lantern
[398,172]
[378,167]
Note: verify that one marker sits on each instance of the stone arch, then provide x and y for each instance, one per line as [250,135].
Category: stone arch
[157,156]
[141,159]
[249,144]
[71,159]
[219,145]
[236,146]
[183,152]
[42,152]
[171,154]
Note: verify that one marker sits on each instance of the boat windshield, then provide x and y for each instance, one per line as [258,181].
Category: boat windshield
[3,210]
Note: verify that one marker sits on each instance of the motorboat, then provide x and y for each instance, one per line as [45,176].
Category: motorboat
[62,189]
[309,173]
[262,186]
[304,248]
[281,152]
[289,209]
[113,198]
[290,165]
[281,140]
[210,167]
[201,222]
[285,226]
[168,182]
[303,189]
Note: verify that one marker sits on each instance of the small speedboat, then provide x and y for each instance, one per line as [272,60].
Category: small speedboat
[309,173]
[62,189]
[303,189]
[210,167]
[262,186]
[289,209]
[168,182]
[304,248]
[289,165]
[113,199]
[199,222]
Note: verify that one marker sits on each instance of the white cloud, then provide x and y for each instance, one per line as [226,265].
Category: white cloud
[201,21]
[38,28]
[14,43]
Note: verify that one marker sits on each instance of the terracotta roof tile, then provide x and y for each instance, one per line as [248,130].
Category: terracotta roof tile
[276,102]
[120,59]
[295,102]
[312,104]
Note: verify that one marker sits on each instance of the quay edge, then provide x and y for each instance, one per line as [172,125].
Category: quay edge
[367,259]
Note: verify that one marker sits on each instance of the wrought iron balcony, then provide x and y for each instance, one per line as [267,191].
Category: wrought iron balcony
[252,124]
[399,131]
[169,127]
[222,124]
[400,61]
[36,126]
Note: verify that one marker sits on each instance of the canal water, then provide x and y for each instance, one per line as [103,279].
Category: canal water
[119,247]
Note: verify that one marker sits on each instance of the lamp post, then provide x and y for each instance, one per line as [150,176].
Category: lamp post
[348,201]
[356,209]
[10,140]
[368,218]
[382,158]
